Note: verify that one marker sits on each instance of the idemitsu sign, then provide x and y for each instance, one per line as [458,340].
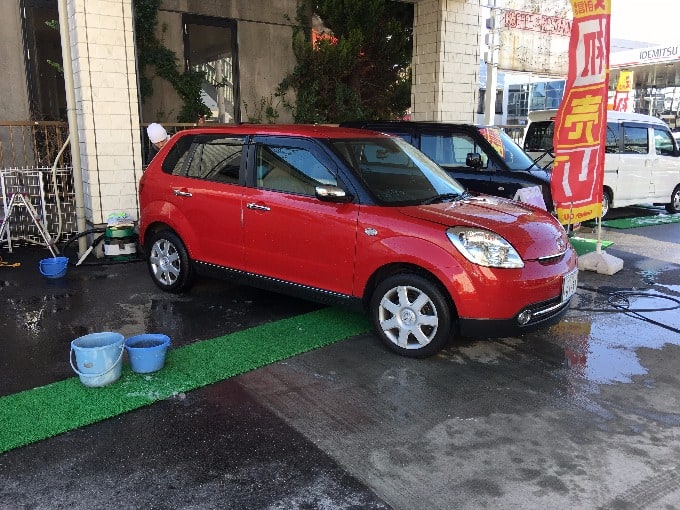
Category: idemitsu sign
[580,125]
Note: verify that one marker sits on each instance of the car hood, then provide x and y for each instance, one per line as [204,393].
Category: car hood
[532,232]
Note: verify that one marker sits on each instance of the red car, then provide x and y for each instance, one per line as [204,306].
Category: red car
[353,217]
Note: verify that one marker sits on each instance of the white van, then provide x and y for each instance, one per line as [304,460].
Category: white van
[642,161]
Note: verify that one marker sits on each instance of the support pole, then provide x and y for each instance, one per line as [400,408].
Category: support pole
[67,63]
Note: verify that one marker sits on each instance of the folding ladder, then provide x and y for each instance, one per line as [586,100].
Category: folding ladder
[18,200]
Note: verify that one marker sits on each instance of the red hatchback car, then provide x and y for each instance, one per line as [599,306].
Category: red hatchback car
[353,217]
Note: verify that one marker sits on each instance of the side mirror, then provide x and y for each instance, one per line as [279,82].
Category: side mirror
[333,194]
[473,160]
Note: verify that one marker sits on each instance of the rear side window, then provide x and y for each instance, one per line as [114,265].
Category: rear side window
[539,136]
[217,159]
[635,140]
[663,142]
[174,161]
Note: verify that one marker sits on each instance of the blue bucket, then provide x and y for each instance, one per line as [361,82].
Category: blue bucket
[99,358]
[147,352]
[54,267]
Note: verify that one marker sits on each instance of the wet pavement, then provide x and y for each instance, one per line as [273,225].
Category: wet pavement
[584,415]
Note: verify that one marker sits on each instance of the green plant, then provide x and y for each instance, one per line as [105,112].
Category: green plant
[54,25]
[266,109]
[152,53]
[361,71]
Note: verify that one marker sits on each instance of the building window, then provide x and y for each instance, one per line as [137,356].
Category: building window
[499,102]
[210,47]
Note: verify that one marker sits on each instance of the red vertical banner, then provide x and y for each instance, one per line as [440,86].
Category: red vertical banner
[581,122]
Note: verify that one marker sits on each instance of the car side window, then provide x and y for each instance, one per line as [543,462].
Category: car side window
[290,169]
[174,161]
[635,140]
[450,149]
[612,143]
[217,159]
[663,142]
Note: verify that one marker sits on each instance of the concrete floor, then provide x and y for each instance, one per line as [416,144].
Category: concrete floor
[584,415]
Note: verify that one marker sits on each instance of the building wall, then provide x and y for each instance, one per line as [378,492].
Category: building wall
[14,105]
[265,53]
[446,60]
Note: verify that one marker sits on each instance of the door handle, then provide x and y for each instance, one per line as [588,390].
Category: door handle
[180,193]
[257,207]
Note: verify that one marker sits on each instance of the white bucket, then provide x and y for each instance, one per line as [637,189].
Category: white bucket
[99,358]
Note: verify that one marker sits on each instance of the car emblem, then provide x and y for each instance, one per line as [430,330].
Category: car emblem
[370,231]
[561,244]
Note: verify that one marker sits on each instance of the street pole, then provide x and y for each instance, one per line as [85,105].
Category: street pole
[491,65]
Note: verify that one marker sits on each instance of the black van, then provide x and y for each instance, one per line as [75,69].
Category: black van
[482,158]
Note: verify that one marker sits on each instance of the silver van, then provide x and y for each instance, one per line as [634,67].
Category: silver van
[642,161]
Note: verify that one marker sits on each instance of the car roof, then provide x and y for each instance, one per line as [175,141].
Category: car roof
[612,115]
[417,124]
[305,130]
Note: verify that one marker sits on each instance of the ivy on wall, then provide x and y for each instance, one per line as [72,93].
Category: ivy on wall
[151,54]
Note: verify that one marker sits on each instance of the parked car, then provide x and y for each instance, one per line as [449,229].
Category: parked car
[641,162]
[357,218]
[482,158]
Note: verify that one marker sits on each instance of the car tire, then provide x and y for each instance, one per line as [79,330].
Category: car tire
[674,205]
[168,262]
[411,315]
[606,203]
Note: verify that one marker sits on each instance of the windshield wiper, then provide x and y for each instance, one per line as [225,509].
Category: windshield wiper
[444,197]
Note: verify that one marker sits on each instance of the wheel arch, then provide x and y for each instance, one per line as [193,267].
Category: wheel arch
[388,270]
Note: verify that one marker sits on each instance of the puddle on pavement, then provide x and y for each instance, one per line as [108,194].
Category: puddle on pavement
[602,347]
[588,347]
[650,270]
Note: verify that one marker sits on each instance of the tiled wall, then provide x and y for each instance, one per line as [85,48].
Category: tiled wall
[446,60]
[103,54]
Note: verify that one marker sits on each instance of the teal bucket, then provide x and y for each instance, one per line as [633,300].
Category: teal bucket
[147,352]
[99,358]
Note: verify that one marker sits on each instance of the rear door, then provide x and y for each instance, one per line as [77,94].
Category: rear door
[203,196]
[289,234]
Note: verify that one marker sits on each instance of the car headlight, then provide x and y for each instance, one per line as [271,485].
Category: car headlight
[484,247]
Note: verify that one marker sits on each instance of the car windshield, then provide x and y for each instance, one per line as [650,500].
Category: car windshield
[395,172]
[506,148]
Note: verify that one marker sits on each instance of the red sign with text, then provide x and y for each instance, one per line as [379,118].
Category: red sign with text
[581,121]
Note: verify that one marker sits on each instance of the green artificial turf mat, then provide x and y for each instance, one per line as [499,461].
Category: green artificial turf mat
[583,245]
[42,412]
[641,221]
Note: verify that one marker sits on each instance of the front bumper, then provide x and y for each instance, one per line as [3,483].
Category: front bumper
[542,315]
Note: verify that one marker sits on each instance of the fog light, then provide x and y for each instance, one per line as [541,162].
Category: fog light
[524,317]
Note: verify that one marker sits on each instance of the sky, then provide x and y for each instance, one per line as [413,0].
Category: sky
[653,21]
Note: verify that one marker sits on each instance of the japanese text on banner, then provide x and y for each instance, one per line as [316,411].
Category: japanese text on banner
[580,125]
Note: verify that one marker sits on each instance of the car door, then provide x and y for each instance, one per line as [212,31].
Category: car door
[290,234]
[204,189]
[635,165]
[450,149]
[666,165]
